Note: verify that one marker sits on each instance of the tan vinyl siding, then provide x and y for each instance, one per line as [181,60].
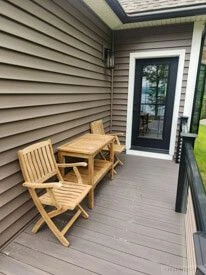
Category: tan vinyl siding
[154,38]
[53,83]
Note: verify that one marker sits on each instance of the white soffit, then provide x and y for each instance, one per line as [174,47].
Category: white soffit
[103,10]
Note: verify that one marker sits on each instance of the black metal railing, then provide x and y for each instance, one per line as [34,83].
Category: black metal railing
[189,176]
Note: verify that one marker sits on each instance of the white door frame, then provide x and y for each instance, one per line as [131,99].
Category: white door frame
[180,53]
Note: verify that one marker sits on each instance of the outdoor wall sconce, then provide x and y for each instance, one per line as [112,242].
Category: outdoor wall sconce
[108,58]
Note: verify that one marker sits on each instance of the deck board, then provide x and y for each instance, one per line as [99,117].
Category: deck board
[10,265]
[132,229]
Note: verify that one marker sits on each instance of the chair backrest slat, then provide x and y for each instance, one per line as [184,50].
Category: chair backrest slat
[50,159]
[97,127]
[37,162]
[28,171]
[32,166]
[41,156]
[46,160]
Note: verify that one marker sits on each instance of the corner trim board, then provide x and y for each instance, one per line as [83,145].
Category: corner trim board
[193,68]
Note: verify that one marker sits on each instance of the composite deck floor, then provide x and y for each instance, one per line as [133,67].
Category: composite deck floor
[132,229]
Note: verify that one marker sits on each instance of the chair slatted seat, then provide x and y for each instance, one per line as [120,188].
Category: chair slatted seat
[38,167]
[97,127]
[68,196]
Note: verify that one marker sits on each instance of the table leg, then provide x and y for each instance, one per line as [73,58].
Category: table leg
[112,159]
[91,182]
[91,199]
[61,159]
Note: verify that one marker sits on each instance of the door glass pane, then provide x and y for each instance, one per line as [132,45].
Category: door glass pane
[153,100]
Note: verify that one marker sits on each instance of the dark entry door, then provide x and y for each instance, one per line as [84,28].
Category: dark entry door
[155,83]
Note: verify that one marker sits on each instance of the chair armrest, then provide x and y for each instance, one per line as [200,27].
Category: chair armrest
[72,164]
[117,134]
[47,185]
[75,169]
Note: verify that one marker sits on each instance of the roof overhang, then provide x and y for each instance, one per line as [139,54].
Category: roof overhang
[111,12]
[182,11]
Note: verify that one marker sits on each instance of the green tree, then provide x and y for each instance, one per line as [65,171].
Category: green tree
[156,75]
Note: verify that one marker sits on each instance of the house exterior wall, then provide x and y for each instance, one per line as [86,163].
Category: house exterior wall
[53,83]
[171,37]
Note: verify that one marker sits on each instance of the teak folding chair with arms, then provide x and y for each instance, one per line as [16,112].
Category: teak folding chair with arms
[38,165]
[97,127]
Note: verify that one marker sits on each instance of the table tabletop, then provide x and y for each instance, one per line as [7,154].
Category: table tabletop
[88,144]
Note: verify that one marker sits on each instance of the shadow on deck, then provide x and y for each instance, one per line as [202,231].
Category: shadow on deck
[132,229]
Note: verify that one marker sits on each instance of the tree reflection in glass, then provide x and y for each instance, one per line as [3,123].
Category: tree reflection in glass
[153,100]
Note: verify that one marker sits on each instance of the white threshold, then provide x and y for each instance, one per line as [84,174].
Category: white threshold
[149,154]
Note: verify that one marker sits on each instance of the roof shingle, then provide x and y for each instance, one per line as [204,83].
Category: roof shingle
[138,6]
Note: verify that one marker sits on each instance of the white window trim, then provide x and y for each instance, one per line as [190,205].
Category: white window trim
[180,53]
[193,67]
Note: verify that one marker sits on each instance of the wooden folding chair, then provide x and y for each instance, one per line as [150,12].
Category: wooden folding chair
[98,128]
[38,166]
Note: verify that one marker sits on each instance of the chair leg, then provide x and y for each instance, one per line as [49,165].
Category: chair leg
[79,212]
[47,219]
[116,163]
[119,161]
[54,229]
[84,213]
[102,155]
[56,232]
[41,221]
[70,223]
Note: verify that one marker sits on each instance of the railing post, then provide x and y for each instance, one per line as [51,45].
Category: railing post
[183,121]
[182,187]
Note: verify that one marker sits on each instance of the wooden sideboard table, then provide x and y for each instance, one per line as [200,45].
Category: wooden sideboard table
[87,147]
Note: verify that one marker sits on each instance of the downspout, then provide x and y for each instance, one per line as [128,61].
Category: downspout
[112,86]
